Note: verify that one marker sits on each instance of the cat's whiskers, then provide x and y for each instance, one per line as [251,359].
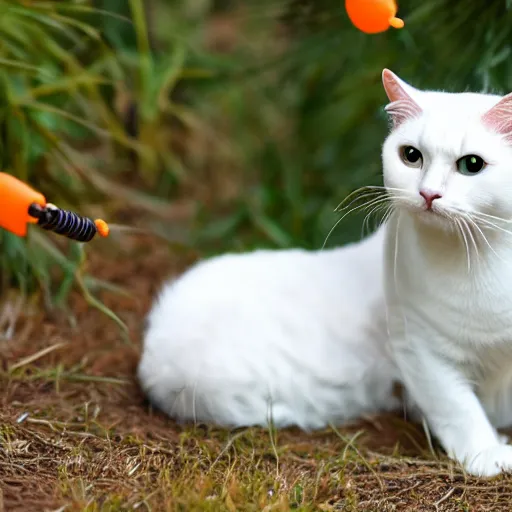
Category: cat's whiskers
[373,193]
[386,217]
[489,224]
[369,190]
[366,220]
[385,198]
[395,255]
[465,240]
[475,225]
[457,230]
[482,235]
[369,204]
[493,227]
[471,236]
[375,209]
[405,201]
[487,221]
[493,217]
[385,189]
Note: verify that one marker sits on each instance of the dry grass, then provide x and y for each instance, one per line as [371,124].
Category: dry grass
[76,433]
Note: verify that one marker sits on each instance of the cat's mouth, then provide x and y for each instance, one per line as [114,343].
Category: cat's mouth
[431,212]
[422,208]
[435,214]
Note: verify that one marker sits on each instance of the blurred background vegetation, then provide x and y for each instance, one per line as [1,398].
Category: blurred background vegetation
[217,124]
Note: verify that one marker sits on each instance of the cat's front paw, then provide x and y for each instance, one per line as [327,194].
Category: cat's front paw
[491,462]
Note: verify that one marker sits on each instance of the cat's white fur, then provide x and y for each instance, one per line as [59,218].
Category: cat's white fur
[313,338]
[295,337]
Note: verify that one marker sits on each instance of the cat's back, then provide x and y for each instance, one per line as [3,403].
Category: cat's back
[244,285]
[240,288]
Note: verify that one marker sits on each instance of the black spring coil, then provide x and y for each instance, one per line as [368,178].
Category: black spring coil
[64,222]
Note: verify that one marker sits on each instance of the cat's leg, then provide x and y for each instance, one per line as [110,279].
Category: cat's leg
[451,408]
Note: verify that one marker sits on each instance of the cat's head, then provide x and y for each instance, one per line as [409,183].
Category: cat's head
[448,156]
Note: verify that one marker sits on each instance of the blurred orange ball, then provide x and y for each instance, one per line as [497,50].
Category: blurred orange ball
[373,16]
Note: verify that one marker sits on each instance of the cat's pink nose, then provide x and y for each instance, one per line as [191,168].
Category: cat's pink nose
[429,197]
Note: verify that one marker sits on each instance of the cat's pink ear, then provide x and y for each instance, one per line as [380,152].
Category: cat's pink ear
[402,106]
[499,117]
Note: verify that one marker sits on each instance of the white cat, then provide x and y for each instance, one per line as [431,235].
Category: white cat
[318,338]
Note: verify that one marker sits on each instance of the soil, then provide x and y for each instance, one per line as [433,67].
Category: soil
[76,433]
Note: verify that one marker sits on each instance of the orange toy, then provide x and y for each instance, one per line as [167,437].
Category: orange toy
[22,205]
[15,198]
[373,16]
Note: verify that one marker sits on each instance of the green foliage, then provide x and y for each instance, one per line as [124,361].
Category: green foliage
[50,97]
[150,77]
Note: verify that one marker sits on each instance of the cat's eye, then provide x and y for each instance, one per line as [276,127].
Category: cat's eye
[411,156]
[470,164]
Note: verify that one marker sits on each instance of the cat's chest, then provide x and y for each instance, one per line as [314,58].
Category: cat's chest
[466,313]
[466,308]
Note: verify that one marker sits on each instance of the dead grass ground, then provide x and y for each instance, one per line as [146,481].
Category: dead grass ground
[76,433]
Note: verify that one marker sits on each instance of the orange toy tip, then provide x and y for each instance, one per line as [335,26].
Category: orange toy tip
[396,22]
[102,227]
[373,16]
